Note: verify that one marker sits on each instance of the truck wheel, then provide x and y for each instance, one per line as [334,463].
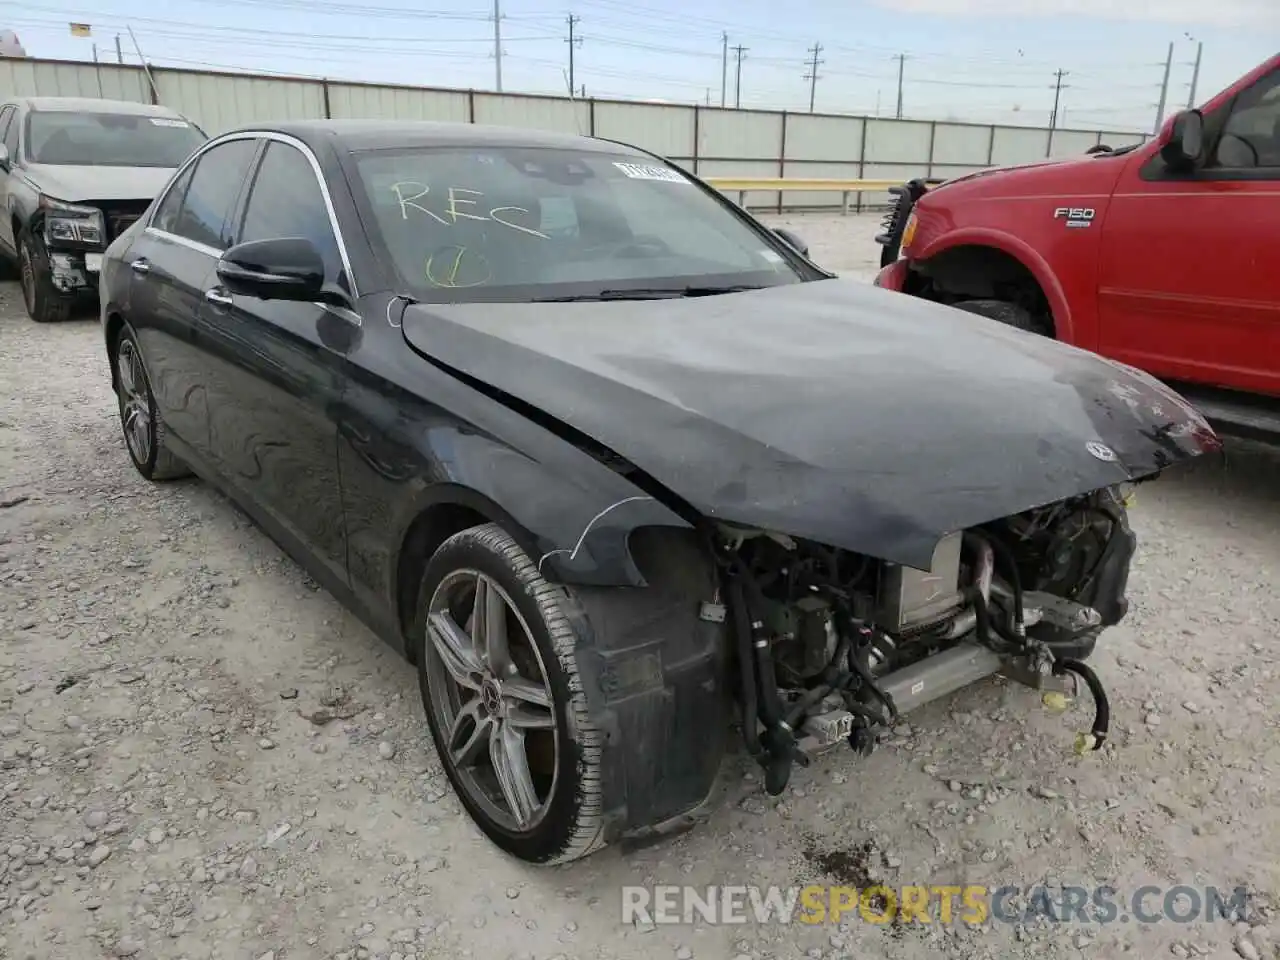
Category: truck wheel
[44,303]
[498,672]
[1007,313]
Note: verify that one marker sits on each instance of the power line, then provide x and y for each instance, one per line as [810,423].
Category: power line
[812,75]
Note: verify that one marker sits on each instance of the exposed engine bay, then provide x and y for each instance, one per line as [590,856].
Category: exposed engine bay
[834,646]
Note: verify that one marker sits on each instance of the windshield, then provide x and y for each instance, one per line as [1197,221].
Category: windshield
[109,139]
[512,223]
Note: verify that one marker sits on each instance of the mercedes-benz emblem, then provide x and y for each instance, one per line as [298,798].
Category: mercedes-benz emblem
[1101,451]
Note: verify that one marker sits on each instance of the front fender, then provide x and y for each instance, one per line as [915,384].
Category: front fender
[1021,251]
[575,524]
[402,455]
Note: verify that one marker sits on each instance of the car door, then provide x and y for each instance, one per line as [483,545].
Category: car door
[8,121]
[274,382]
[171,262]
[1188,287]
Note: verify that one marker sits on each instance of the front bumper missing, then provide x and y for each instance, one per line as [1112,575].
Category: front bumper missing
[931,679]
[74,271]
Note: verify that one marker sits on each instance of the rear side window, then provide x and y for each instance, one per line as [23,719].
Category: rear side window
[212,191]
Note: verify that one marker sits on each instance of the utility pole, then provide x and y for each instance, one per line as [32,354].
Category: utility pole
[573,42]
[812,75]
[740,50]
[497,42]
[902,59]
[724,65]
[1164,89]
[119,51]
[1057,99]
[1057,103]
[1195,75]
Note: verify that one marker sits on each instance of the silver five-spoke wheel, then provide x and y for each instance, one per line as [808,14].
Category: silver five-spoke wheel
[135,402]
[491,698]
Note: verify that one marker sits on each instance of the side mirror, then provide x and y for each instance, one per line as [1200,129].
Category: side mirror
[793,240]
[285,268]
[4,157]
[1183,149]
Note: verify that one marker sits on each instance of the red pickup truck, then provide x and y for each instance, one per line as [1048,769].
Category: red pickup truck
[1163,255]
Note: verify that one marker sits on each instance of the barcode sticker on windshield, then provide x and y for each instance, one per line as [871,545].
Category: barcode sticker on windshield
[639,171]
[169,122]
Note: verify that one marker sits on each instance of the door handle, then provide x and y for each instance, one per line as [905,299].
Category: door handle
[141,265]
[216,296]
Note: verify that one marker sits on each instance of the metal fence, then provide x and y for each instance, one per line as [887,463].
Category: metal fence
[710,141]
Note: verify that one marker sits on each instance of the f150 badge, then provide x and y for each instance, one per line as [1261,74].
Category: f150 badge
[1075,216]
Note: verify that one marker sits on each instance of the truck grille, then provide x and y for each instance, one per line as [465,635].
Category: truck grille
[895,221]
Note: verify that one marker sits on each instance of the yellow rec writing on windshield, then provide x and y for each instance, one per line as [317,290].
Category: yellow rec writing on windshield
[457,197]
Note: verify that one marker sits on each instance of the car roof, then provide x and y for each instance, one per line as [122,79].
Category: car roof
[96,105]
[361,135]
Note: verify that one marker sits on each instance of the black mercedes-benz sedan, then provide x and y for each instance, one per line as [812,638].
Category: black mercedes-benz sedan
[616,466]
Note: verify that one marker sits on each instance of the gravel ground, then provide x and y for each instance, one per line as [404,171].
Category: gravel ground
[171,785]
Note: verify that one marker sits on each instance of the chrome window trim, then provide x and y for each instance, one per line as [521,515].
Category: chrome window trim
[257,135]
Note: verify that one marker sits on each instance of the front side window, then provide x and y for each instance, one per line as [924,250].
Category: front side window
[1251,135]
[109,139]
[215,184]
[513,223]
[286,201]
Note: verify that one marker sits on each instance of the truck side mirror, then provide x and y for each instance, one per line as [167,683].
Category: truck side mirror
[4,157]
[1184,148]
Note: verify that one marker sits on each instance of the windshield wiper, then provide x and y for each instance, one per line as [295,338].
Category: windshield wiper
[650,293]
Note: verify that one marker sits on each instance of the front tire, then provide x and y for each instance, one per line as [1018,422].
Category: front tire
[144,432]
[44,302]
[498,671]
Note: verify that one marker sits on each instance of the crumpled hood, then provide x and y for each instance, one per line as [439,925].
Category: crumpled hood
[77,184]
[830,410]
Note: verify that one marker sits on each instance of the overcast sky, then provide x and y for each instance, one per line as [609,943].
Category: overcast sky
[965,59]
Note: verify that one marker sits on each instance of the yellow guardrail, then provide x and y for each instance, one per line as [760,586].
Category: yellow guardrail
[847,188]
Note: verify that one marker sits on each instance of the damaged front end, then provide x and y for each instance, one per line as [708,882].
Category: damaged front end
[74,236]
[833,646]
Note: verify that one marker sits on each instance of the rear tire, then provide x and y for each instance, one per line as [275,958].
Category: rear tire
[144,431]
[44,302]
[511,704]
[1010,314]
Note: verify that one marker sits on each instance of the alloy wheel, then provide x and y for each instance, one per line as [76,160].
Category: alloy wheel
[135,403]
[491,700]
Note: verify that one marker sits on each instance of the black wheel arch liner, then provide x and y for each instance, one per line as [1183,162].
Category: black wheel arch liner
[657,681]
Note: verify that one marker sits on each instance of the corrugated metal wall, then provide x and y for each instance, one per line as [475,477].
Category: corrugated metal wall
[709,140]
